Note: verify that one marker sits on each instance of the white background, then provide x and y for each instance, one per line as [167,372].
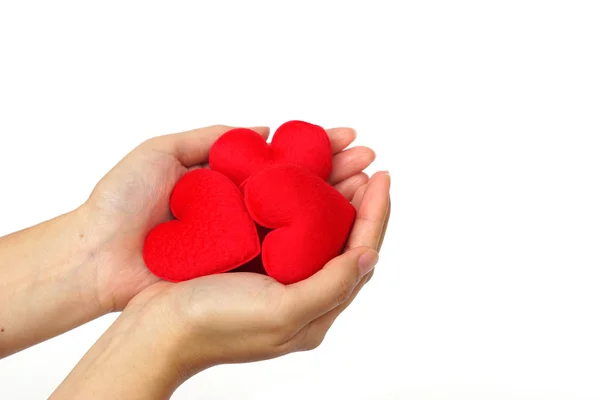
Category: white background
[487,114]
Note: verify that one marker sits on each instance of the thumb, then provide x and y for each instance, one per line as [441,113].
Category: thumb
[192,147]
[332,285]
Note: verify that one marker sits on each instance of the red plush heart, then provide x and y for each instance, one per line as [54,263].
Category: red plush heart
[310,220]
[213,232]
[240,153]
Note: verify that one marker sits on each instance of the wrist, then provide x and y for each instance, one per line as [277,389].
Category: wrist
[157,315]
[56,281]
[91,242]
[134,358]
[115,244]
[143,340]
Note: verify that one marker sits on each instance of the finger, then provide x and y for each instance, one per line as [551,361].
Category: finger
[367,277]
[314,332]
[350,162]
[349,186]
[192,147]
[198,166]
[371,213]
[340,138]
[358,196]
[329,287]
[385,225]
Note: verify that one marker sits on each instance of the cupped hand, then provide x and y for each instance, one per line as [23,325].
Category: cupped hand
[242,317]
[134,197]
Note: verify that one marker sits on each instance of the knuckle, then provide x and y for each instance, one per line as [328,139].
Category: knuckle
[344,290]
[313,342]
[150,143]
[219,127]
[280,325]
[153,140]
[369,276]
[306,340]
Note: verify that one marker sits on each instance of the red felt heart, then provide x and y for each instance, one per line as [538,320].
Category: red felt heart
[311,220]
[240,153]
[213,232]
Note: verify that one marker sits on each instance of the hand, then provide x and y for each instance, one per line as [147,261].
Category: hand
[134,197]
[242,317]
[171,331]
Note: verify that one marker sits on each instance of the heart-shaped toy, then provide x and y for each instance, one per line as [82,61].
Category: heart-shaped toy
[212,233]
[310,220]
[240,153]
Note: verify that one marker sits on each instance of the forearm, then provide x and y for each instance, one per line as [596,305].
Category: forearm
[130,361]
[47,281]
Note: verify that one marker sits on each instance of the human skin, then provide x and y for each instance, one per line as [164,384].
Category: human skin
[67,271]
[170,332]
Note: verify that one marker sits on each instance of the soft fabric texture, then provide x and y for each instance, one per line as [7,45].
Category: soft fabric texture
[212,233]
[240,153]
[311,220]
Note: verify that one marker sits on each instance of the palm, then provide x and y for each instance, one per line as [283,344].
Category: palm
[130,200]
[134,197]
[243,293]
[272,318]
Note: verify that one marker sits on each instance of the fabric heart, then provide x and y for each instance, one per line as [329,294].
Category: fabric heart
[213,232]
[311,220]
[240,153]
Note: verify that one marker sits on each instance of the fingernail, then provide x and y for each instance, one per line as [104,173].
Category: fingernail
[387,173]
[367,261]
[259,128]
